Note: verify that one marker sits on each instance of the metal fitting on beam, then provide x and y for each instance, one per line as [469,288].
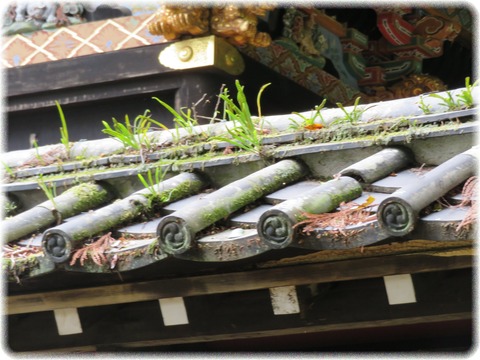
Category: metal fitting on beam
[203,52]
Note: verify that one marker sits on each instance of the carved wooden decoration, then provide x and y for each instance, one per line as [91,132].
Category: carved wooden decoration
[237,24]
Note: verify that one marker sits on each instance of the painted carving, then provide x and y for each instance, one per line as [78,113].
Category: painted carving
[24,17]
[36,11]
[237,24]
[300,29]
[393,27]
[318,43]
[29,16]
[379,69]
[436,30]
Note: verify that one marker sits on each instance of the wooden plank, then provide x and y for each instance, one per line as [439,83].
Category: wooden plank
[86,70]
[232,282]
[439,293]
[433,320]
[306,329]
[95,92]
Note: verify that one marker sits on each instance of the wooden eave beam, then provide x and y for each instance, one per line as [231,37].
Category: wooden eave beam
[90,78]
[304,274]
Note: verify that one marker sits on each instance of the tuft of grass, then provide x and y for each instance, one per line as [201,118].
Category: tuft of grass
[8,169]
[310,123]
[64,138]
[465,99]
[133,135]
[245,132]
[354,115]
[462,101]
[9,208]
[426,108]
[259,96]
[182,119]
[448,101]
[152,183]
[49,190]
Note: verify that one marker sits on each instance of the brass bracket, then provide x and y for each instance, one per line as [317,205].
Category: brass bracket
[201,52]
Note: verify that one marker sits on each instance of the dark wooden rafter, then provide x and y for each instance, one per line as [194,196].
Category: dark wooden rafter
[328,332]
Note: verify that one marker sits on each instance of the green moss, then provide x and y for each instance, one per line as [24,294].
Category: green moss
[21,267]
[88,196]
[211,216]
[224,208]
[80,235]
[152,248]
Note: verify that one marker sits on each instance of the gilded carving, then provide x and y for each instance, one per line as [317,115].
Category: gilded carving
[173,21]
[417,84]
[237,24]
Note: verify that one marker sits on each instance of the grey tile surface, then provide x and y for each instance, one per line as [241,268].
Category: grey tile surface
[291,192]
[250,217]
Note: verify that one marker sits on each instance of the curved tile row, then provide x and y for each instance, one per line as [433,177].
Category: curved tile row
[241,239]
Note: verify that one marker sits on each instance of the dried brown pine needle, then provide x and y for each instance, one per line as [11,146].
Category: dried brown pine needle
[16,251]
[469,198]
[95,250]
[349,214]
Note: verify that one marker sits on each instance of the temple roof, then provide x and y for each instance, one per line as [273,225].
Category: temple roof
[394,175]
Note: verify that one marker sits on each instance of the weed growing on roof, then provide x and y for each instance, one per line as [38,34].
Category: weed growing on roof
[310,123]
[8,170]
[426,108]
[352,116]
[153,183]
[183,120]
[259,96]
[50,190]
[448,101]
[133,135]
[463,101]
[63,129]
[466,97]
[245,133]
[37,152]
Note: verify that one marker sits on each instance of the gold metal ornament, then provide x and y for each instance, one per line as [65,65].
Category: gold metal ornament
[203,52]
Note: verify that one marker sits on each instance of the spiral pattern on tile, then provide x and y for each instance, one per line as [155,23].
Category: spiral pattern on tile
[396,218]
[275,229]
[56,245]
[173,236]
